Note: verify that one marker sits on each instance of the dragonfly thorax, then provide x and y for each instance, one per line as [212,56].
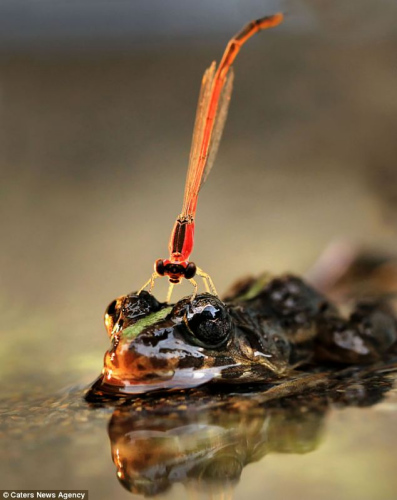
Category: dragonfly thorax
[181,241]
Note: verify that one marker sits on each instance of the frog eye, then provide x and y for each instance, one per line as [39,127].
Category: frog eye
[136,306]
[208,322]
[128,309]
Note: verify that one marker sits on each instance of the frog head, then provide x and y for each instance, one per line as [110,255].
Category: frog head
[156,346]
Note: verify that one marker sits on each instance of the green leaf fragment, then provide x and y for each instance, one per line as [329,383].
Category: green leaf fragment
[134,330]
[256,287]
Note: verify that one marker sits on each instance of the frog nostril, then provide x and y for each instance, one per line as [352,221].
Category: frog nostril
[112,315]
[111,310]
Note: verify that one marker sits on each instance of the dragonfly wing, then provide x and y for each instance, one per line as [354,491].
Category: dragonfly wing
[198,131]
[212,111]
[196,177]
[219,123]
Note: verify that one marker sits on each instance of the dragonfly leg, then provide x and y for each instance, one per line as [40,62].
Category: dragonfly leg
[209,284]
[207,287]
[170,288]
[193,282]
[150,282]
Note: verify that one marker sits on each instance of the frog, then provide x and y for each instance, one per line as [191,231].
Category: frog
[266,329]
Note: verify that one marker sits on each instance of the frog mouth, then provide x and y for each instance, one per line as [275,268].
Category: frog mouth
[186,378]
[134,373]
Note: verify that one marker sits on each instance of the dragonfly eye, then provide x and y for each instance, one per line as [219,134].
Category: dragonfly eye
[190,270]
[159,267]
[208,322]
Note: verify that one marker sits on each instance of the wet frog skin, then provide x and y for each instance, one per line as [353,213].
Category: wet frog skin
[261,334]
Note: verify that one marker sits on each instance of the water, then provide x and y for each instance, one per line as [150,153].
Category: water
[323,444]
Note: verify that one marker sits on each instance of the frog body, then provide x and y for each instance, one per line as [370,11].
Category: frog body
[256,337]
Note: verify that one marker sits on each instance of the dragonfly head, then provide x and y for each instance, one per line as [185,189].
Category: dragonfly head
[175,270]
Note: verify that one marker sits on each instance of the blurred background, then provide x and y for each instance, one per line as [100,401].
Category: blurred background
[97,104]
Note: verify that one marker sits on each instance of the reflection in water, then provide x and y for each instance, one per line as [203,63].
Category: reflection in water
[209,450]
[204,440]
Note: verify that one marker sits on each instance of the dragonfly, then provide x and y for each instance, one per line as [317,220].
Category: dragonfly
[213,104]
